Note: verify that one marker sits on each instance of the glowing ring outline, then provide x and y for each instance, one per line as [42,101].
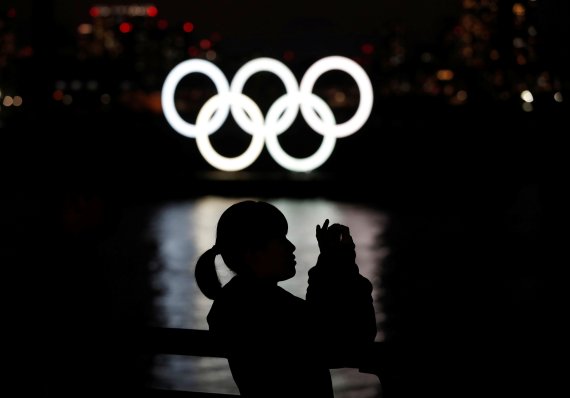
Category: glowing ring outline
[364,86]
[169,88]
[280,70]
[276,150]
[297,97]
[258,136]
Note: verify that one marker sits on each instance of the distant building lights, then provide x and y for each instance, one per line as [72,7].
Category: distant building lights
[519,10]
[205,44]
[188,27]
[162,24]
[8,101]
[134,11]
[339,98]
[125,27]
[527,107]
[289,55]
[152,11]
[211,55]
[85,29]
[94,12]
[367,48]
[518,42]
[532,31]
[526,96]
[444,74]
[461,95]
[521,60]
[193,51]
[57,95]
[104,11]
[12,101]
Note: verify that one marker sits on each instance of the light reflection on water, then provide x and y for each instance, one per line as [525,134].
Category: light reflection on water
[184,230]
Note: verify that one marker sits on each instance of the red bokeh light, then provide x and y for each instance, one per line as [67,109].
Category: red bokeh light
[162,24]
[193,51]
[367,48]
[205,44]
[289,56]
[125,27]
[57,95]
[94,12]
[188,27]
[152,11]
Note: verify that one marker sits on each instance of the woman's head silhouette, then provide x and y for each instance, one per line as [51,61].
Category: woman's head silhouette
[251,238]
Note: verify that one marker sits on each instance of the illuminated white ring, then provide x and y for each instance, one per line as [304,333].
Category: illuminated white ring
[169,88]
[253,125]
[248,116]
[282,72]
[277,152]
[364,85]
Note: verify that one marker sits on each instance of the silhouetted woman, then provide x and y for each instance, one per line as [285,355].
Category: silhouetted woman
[278,344]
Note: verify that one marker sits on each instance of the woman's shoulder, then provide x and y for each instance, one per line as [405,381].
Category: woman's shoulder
[234,292]
[243,302]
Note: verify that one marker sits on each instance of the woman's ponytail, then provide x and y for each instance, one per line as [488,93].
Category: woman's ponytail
[206,275]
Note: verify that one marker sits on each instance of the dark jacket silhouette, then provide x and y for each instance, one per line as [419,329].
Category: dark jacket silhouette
[280,345]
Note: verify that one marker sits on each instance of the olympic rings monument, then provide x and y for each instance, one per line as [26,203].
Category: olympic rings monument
[279,117]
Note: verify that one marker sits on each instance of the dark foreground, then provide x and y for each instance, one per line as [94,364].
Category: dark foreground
[471,292]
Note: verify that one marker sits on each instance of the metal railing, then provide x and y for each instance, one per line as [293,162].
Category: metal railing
[194,342]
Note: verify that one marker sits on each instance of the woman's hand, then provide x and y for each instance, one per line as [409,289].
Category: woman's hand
[335,240]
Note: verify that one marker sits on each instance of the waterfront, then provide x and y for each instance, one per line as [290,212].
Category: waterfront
[185,229]
[455,284]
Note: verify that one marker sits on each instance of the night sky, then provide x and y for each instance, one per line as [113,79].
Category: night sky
[252,17]
[359,16]
[423,22]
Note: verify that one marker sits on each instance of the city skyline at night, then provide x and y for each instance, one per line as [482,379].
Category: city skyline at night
[111,61]
[476,36]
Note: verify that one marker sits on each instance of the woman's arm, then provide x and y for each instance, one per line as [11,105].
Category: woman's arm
[339,297]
